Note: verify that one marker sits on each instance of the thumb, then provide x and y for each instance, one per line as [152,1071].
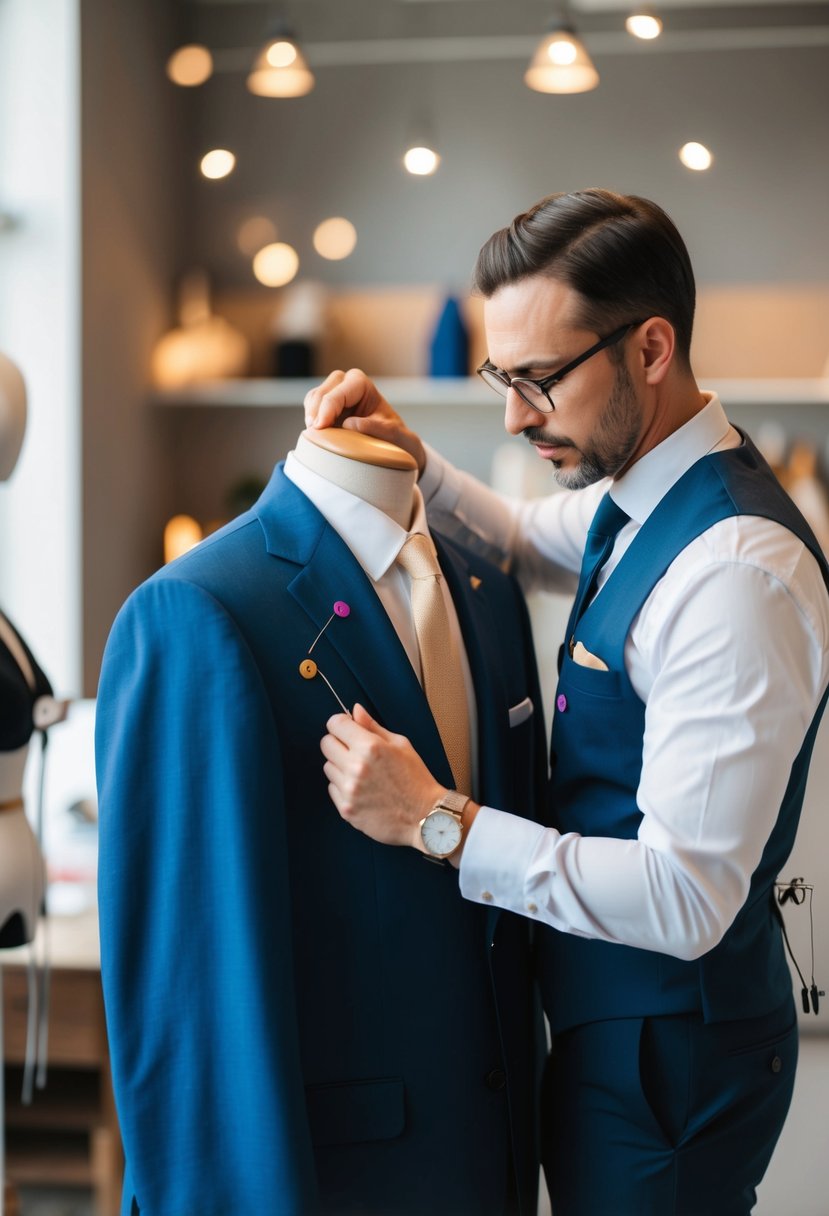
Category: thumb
[363,718]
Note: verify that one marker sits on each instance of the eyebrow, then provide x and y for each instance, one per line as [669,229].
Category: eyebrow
[524,369]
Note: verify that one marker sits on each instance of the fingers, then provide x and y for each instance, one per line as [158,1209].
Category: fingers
[363,718]
[338,394]
[350,399]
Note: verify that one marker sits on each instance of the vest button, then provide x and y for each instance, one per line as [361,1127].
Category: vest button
[776,1064]
[561,702]
[495,1079]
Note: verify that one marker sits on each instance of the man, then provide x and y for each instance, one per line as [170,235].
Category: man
[691,682]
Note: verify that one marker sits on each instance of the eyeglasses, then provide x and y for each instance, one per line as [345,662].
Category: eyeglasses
[534,393]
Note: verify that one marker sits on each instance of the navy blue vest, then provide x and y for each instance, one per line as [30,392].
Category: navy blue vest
[597,762]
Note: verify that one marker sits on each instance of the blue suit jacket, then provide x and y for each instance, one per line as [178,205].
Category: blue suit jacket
[301,1020]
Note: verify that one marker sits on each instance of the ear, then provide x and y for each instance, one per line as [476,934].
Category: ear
[656,345]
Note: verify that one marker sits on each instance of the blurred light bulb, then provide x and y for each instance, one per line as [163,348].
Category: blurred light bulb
[181,534]
[695,156]
[276,264]
[561,64]
[280,70]
[421,161]
[643,25]
[335,238]
[281,54]
[562,52]
[190,65]
[255,233]
[217,163]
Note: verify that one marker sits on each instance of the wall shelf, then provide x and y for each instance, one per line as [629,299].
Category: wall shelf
[406,392]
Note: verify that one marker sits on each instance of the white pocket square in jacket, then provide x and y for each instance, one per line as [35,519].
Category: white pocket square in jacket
[584,658]
[520,712]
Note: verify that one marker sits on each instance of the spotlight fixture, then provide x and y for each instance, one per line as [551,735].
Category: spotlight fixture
[421,160]
[280,68]
[643,25]
[561,63]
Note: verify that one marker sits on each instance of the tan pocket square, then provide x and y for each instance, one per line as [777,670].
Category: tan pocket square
[584,658]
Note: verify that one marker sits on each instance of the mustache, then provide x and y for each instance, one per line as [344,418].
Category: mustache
[537,434]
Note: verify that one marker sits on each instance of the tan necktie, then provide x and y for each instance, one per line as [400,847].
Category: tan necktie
[440,662]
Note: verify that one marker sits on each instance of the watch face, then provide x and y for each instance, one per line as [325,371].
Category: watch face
[440,833]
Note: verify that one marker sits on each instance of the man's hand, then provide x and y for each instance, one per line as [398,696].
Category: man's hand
[351,400]
[377,781]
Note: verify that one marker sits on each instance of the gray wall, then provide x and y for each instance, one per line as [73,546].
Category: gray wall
[758,215]
[134,209]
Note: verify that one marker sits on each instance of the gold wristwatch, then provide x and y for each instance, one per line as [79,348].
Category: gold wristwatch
[441,831]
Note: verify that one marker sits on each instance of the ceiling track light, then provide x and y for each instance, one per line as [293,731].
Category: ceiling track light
[280,69]
[561,63]
[643,24]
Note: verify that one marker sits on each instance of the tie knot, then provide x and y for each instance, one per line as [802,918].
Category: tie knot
[609,518]
[417,557]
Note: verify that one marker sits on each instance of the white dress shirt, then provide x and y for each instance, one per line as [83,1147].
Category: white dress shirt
[729,653]
[375,540]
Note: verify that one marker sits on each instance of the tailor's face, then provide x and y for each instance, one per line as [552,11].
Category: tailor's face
[532,329]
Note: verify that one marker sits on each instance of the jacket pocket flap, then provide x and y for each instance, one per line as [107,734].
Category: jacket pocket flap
[354,1111]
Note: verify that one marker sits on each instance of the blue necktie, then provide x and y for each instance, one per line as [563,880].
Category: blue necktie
[606,524]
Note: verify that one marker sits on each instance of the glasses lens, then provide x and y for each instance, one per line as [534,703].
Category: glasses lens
[534,396]
[493,380]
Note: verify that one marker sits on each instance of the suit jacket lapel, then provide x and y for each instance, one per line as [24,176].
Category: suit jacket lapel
[365,640]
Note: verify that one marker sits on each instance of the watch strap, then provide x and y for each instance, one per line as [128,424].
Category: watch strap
[452,801]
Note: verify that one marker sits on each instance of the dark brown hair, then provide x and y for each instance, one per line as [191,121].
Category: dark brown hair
[621,253]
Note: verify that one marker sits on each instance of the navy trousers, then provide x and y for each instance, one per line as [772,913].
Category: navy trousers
[665,1116]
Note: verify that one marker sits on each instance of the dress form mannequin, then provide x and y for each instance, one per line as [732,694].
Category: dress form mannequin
[22,684]
[26,705]
[355,1093]
[378,472]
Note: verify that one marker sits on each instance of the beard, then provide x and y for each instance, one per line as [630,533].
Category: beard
[610,446]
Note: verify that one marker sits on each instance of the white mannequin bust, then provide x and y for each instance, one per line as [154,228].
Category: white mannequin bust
[378,472]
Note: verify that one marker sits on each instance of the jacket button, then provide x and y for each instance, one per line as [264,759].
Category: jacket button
[495,1079]
[776,1064]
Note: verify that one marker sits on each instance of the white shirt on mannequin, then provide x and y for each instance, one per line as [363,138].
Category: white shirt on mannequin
[717,748]
[375,541]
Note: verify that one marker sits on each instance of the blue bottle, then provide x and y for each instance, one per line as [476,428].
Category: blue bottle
[449,347]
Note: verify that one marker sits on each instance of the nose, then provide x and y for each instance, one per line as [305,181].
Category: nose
[517,414]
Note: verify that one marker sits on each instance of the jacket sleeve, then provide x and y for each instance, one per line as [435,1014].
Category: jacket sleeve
[196,953]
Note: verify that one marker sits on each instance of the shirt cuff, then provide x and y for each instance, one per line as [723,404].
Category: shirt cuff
[496,859]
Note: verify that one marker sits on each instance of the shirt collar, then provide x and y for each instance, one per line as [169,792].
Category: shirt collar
[646,483]
[371,535]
